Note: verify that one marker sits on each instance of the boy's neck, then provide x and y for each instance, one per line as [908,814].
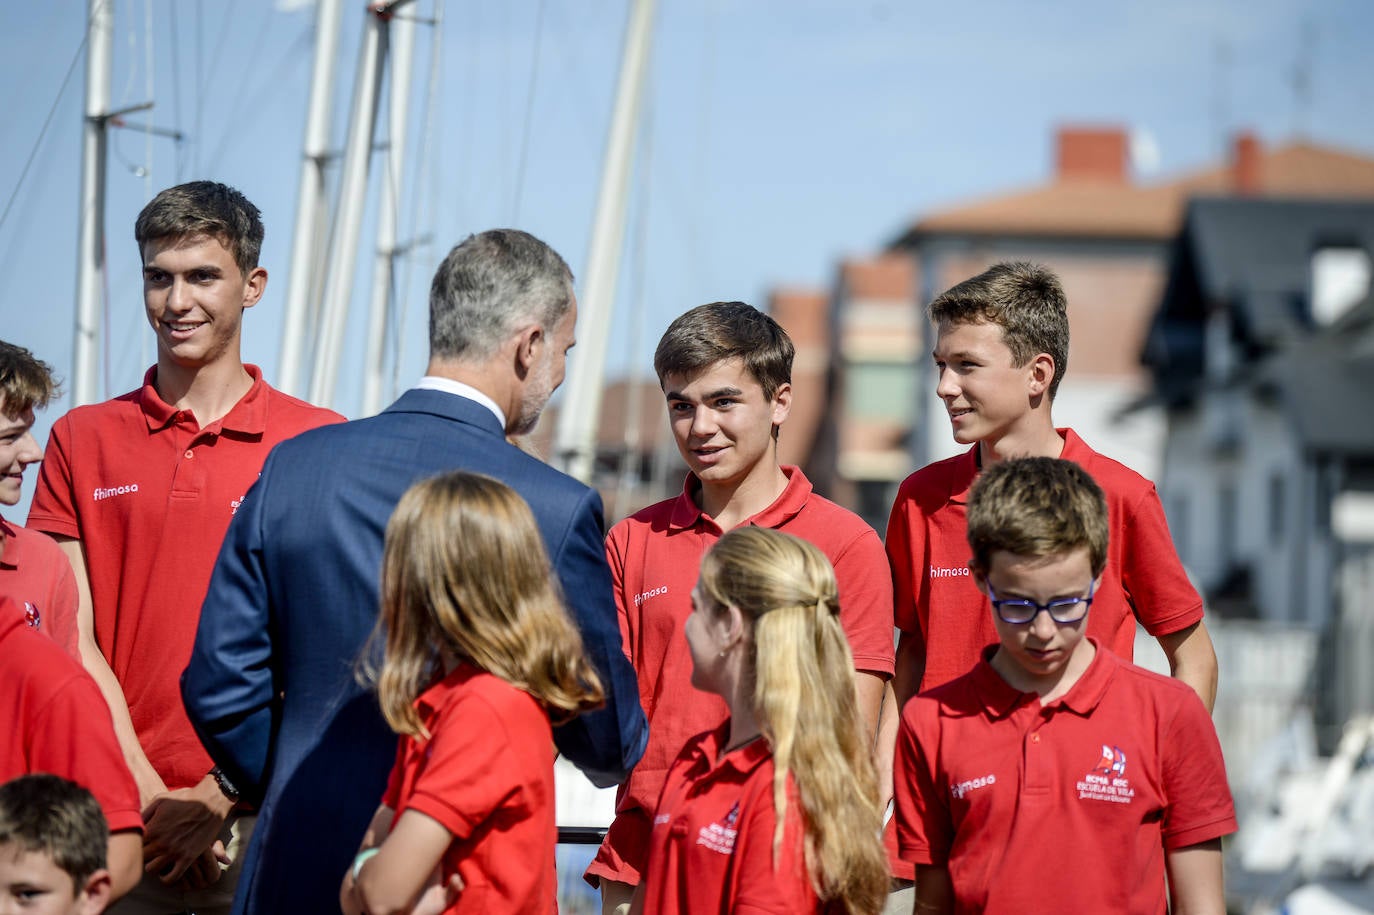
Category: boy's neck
[1049,688]
[1035,438]
[730,504]
[208,391]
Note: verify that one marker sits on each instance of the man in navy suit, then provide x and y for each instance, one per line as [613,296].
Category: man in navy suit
[271,688]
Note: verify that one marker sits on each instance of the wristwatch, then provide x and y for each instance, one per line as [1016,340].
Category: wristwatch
[225,785]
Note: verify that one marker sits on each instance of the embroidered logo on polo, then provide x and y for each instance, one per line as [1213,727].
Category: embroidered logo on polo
[720,837]
[652,592]
[32,616]
[954,572]
[959,789]
[1107,780]
[109,492]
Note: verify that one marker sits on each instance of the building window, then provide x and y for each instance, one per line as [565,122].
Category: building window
[881,391]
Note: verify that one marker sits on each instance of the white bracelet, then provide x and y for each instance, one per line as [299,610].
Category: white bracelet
[361,859]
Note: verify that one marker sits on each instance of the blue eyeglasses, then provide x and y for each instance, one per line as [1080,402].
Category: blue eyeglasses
[1019,611]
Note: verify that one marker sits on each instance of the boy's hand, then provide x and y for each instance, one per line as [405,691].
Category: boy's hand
[181,829]
[438,897]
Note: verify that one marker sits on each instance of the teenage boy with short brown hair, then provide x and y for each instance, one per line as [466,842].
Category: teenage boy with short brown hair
[139,491]
[726,373]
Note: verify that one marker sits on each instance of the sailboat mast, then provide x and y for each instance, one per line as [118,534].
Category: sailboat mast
[575,440]
[90,266]
[311,204]
[402,56]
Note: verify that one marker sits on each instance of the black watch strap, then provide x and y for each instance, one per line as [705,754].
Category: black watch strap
[225,785]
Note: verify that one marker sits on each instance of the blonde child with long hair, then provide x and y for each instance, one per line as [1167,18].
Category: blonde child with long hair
[776,810]
[479,659]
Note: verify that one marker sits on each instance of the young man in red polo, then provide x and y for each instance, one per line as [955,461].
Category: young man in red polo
[1053,750]
[139,491]
[33,572]
[726,371]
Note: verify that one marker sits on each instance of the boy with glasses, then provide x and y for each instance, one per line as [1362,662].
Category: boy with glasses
[1053,749]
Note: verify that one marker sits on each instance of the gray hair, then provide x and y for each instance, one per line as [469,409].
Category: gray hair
[490,285]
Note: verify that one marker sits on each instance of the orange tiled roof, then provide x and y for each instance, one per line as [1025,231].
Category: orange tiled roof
[1083,206]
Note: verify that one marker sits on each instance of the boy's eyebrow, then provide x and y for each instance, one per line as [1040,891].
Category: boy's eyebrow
[710,395]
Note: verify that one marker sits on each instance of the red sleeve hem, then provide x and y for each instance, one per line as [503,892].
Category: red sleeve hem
[51,524]
[1202,832]
[1180,620]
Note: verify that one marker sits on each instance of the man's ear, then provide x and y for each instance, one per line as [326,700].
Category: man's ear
[782,403]
[1041,375]
[95,895]
[529,343]
[255,284]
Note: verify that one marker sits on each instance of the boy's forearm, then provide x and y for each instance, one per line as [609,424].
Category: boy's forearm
[934,891]
[1195,879]
[911,668]
[1193,660]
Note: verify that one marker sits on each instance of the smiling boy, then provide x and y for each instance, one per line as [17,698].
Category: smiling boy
[726,372]
[1053,749]
[33,572]
[1002,344]
[139,491]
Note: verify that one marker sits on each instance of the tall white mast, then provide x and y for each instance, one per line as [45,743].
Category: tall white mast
[312,202]
[343,247]
[402,55]
[90,265]
[575,440]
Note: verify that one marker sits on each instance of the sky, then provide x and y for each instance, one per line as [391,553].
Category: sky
[777,136]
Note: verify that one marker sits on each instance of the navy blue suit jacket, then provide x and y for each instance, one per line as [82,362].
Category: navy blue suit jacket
[270,686]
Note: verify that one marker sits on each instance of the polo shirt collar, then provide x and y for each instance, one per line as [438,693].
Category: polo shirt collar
[247,416]
[998,697]
[966,470]
[11,551]
[742,760]
[686,513]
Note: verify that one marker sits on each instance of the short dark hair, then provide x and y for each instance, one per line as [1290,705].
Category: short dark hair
[713,333]
[1037,506]
[1026,300]
[488,286]
[26,381]
[49,814]
[204,208]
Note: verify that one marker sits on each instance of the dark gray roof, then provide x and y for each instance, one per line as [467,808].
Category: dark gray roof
[1326,384]
[1252,257]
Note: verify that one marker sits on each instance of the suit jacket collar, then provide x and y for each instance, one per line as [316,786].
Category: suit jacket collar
[449,406]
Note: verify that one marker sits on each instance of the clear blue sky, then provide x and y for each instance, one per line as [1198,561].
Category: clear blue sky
[781,134]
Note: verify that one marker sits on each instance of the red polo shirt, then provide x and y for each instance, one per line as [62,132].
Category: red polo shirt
[53,719]
[149,494]
[35,574]
[938,603]
[655,556]
[711,849]
[1068,807]
[486,775]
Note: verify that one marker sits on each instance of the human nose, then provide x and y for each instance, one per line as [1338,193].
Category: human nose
[1042,625]
[703,422]
[29,451]
[945,384]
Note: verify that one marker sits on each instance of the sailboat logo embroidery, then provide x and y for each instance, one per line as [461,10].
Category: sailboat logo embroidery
[1113,762]
[1107,780]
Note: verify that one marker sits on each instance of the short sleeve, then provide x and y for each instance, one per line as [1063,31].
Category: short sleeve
[615,559]
[475,763]
[54,508]
[1152,575]
[925,831]
[1198,800]
[905,541]
[865,582]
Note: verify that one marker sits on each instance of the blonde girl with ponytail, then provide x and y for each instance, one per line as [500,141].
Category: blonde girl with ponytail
[479,659]
[777,810]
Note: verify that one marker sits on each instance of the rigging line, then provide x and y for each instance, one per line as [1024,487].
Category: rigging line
[176,90]
[47,121]
[199,82]
[426,159]
[292,56]
[529,114]
[223,40]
